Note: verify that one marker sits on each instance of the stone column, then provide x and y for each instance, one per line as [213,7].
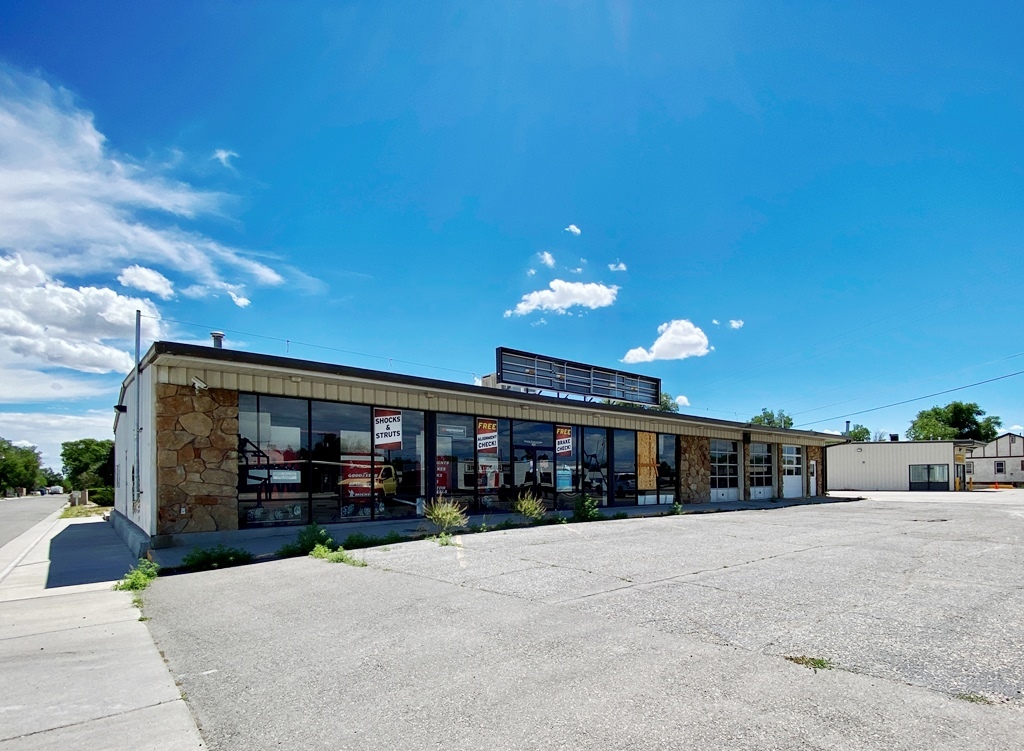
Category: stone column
[778,470]
[745,471]
[694,469]
[197,459]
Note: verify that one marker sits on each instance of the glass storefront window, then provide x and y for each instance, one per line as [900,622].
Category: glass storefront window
[533,458]
[667,470]
[594,466]
[625,466]
[725,465]
[273,460]
[454,461]
[760,465]
[342,463]
[494,473]
[400,461]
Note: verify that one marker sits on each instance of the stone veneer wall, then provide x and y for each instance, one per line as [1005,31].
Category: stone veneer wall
[745,471]
[694,462]
[197,459]
[778,471]
[814,455]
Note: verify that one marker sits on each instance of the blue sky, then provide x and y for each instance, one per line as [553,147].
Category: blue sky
[390,186]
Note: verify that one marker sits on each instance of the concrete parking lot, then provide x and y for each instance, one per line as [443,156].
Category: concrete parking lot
[666,632]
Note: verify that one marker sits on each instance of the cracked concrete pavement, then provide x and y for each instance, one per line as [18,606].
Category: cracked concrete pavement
[641,633]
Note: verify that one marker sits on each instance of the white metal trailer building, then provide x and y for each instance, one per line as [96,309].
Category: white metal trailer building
[999,461]
[898,465]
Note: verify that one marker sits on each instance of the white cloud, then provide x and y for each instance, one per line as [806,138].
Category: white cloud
[531,272]
[48,431]
[224,157]
[1015,428]
[617,266]
[43,320]
[574,229]
[577,270]
[24,384]
[147,280]
[676,340]
[714,321]
[562,295]
[72,206]
[540,322]
[682,401]
[735,324]
[830,432]
[547,259]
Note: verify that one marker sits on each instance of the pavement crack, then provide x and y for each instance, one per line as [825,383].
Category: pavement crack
[86,722]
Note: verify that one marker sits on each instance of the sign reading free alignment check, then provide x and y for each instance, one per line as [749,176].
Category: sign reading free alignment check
[387,428]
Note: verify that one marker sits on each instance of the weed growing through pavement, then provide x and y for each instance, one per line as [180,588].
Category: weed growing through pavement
[974,698]
[139,577]
[336,556]
[308,538]
[677,509]
[585,509]
[206,559]
[445,514]
[814,663]
[529,506]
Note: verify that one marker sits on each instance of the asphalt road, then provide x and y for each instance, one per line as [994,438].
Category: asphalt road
[658,633]
[18,515]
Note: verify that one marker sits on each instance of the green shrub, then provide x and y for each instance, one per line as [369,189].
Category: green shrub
[206,559]
[529,506]
[621,515]
[445,514]
[308,538]
[139,577]
[101,496]
[677,508]
[585,509]
[335,556]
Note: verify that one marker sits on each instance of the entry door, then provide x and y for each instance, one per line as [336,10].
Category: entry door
[792,472]
[812,478]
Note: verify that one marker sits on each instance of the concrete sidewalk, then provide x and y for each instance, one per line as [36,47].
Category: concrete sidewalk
[80,670]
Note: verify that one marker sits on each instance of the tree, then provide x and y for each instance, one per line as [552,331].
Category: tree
[772,419]
[859,433]
[51,477]
[880,435]
[957,420]
[86,460]
[19,466]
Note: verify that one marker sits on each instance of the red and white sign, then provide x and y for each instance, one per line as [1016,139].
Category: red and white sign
[563,440]
[486,436]
[387,429]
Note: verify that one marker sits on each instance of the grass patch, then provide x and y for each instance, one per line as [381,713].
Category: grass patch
[814,663]
[974,698]
[138,578]
[80,512]
[309,537]
[207,559]
[340,555]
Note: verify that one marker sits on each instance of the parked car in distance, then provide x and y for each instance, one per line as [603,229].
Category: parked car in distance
[55,490]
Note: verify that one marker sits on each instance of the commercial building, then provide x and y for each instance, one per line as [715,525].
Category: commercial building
[230,440]
[998,461]
[898,465]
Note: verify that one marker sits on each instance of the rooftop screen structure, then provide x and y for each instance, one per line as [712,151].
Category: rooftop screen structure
[518,368]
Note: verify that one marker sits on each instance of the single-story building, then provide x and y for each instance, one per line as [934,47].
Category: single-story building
[998,461]
[898,465]
[230,440]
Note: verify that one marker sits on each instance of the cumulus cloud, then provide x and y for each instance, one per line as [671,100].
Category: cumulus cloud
[224,157]
[561,296]
[47,431]
[714,321]
[71,205]
[676,340]
[547,259]
[577,270]
[43,320]
[735,324]
[147,280]
[540,322]
[618,266]
[574,229]
[22,385]
[682,401]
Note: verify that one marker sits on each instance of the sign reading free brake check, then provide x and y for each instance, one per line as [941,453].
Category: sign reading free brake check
[387,428]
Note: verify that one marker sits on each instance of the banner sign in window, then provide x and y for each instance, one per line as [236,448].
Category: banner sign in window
[387,428]
[455,431]
[486,436]
[563,440]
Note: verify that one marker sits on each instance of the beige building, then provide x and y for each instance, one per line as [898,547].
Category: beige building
[231,440]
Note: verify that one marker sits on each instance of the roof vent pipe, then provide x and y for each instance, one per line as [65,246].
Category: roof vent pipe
[847,428]
[218,339]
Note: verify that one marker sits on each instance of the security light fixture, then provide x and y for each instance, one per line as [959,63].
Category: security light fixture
[199,383]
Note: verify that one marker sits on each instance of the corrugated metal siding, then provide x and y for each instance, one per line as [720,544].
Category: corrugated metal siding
[339,389]
[882,466]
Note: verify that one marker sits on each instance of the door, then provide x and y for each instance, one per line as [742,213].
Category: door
[792,472]
[812,478]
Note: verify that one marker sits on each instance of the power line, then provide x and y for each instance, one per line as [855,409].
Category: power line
[915,399]
[289,342]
